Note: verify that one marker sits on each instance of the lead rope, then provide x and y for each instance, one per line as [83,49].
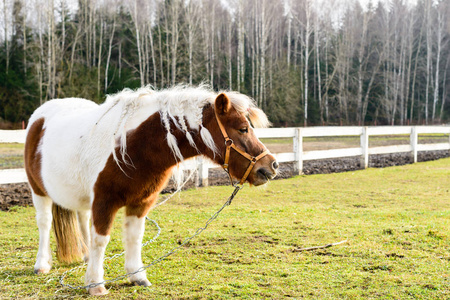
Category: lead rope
[237,188]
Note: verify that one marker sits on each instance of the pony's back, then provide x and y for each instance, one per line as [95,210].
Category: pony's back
[60,107]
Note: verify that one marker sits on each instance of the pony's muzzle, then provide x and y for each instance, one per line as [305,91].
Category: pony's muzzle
[264,173]
[266,170]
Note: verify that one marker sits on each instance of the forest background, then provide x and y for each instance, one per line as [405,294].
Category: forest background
[305,62]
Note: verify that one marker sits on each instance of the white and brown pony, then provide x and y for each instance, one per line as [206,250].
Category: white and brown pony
[85,161]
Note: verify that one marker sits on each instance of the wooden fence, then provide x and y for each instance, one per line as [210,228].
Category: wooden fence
[298,155]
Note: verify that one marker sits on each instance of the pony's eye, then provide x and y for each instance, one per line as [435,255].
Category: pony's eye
[243,130]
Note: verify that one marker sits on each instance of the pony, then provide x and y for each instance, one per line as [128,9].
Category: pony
[85,161]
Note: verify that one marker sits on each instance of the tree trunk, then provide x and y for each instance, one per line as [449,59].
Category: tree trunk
[190,20]
[319,89]
[152,49]
[241,53]
[416,60]
[361,54]
[307,35]
[440,25]
[99,59]
[429,53]
[289,16]
[229,61]
[444,90]
[108,58]
[24,45]
[138,42]
[262,47]
[175,15]
[5,20]
[410,54]
[161,57]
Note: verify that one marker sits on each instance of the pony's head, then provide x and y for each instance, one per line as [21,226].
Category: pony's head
[241,153]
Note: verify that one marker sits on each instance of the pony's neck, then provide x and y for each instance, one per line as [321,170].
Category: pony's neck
[151,146]
[210,123]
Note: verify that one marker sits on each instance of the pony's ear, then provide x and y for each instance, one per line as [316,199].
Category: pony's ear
[222,104]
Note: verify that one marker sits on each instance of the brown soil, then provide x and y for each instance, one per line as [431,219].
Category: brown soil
[14,194]
[19,194]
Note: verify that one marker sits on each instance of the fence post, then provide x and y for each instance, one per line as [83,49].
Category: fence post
[413,139]
[364,141]
[202,171]
[298,151]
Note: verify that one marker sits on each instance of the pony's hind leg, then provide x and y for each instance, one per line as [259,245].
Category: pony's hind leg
[43,206]
[133,232]
[84,217]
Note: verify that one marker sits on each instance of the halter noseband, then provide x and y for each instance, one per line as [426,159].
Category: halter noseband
[230,144]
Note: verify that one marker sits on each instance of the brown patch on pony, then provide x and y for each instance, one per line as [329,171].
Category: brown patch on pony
[137,186]
[33,157]
[142,209]
[70,245]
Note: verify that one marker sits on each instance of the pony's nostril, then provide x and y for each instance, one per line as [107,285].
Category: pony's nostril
[275,165]
[262,172]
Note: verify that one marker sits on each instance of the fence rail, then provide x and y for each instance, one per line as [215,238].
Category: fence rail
[298,155]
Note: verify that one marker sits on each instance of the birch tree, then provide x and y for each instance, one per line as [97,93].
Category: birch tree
[6,34]
[137,25]
[108,57]
[429,54]
[439,37]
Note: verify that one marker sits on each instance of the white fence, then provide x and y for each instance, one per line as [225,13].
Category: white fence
[298,155]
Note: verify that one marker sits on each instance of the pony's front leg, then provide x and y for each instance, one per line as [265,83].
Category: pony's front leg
[43,206]
[102,219]
[94,272]
[133,233]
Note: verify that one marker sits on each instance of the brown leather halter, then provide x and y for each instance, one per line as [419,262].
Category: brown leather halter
[230,144]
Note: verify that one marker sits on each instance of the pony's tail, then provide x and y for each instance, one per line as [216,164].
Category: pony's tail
[70,245]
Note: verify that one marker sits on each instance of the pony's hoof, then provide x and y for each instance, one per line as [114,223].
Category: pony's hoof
[142,282]
[41,271]
[98,291]
[42,268]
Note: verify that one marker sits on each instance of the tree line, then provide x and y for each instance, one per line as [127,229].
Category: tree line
[305,62]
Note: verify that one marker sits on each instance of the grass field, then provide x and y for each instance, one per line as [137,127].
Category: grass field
[396,222]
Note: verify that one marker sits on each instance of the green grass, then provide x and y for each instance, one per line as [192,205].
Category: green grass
[268,141]
[396,221]
[11,155]
[11,147]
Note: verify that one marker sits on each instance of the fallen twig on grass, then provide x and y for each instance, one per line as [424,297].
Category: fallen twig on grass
[319,247]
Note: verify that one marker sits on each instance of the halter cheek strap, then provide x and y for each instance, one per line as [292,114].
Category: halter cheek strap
[230,144]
